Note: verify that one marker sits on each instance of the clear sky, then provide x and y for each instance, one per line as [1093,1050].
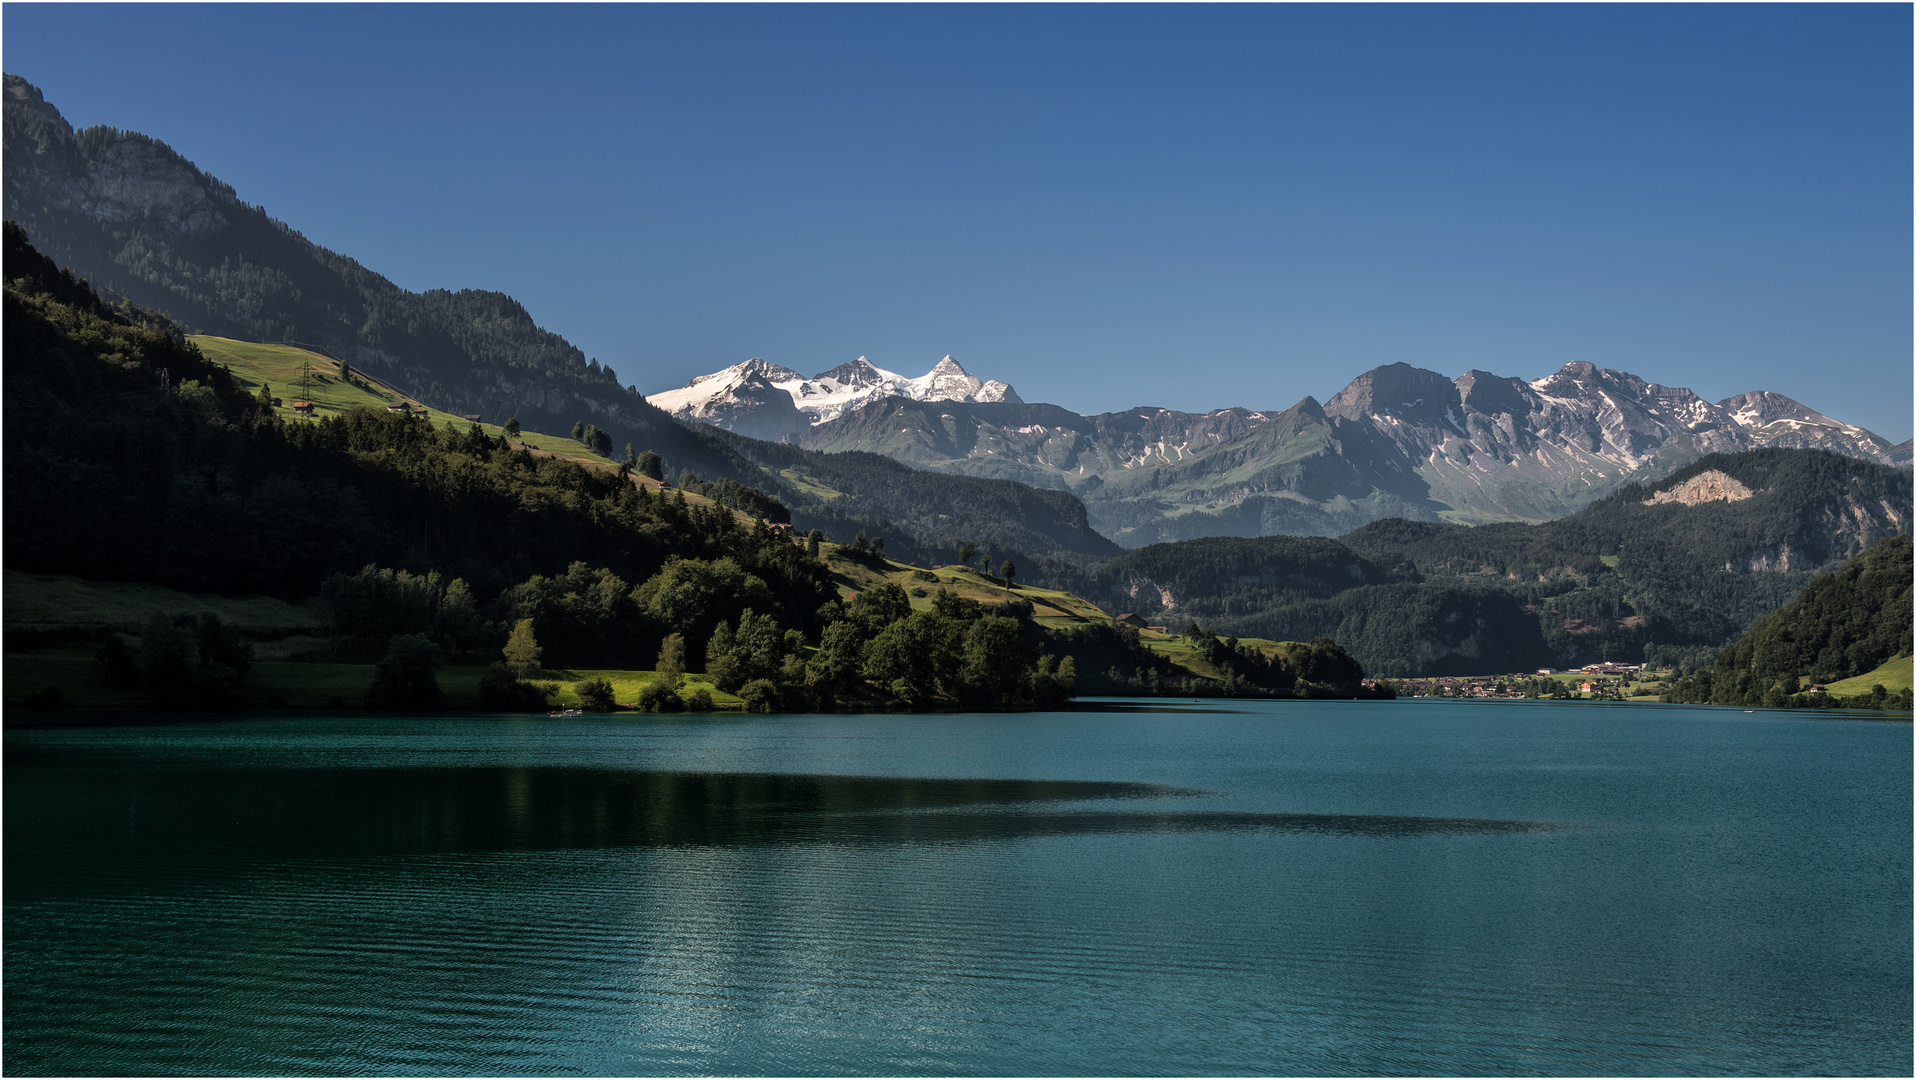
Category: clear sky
[1184,206]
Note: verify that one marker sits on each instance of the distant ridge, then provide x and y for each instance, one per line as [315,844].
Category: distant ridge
[1399,441]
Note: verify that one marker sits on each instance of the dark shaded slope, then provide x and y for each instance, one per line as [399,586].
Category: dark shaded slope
[130,457]
[119,207]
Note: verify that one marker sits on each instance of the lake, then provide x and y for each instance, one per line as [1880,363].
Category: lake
[1409,887]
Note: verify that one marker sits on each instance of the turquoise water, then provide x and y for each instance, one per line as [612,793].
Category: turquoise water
[1280,888]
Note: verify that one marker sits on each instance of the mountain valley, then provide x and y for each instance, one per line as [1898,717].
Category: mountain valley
[1614,518]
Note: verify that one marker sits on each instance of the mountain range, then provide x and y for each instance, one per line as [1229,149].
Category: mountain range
[767,401]
[1399,441]
[1628,562]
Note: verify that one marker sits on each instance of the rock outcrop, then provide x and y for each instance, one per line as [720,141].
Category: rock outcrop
[1710,486]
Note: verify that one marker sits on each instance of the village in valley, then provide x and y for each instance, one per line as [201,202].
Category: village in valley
[1601,682]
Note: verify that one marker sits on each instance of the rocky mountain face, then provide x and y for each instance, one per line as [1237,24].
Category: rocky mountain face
[745,398]
[1399,441]
[767,401]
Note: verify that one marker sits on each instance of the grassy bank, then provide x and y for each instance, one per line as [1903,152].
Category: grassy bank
[308,684]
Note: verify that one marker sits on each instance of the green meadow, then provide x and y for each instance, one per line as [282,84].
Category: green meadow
[278,366]
[311,684]
[1894,676]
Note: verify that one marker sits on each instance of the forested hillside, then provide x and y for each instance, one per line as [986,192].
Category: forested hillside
[1628,579]
[131,457]
[1843,625]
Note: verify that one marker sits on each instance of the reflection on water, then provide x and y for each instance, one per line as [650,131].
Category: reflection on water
[290,813]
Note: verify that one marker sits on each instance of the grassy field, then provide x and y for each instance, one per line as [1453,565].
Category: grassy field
[809,485]
[278,366]
[1894,676]
[254,364]
[55,600]
[626,684]
[1643,686]
[1049,606]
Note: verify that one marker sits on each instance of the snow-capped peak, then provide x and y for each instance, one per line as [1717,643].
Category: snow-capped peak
[705,389]
[827,395]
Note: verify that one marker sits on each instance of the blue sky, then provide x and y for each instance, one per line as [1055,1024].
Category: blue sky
[1190,207]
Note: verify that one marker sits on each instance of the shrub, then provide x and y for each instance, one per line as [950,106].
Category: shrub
[700,701]
[502,691]
[660,696]
[405,678]
[595,694]
[759,695]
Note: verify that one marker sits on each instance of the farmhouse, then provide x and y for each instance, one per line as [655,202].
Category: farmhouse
[303,408]
[1128,619]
